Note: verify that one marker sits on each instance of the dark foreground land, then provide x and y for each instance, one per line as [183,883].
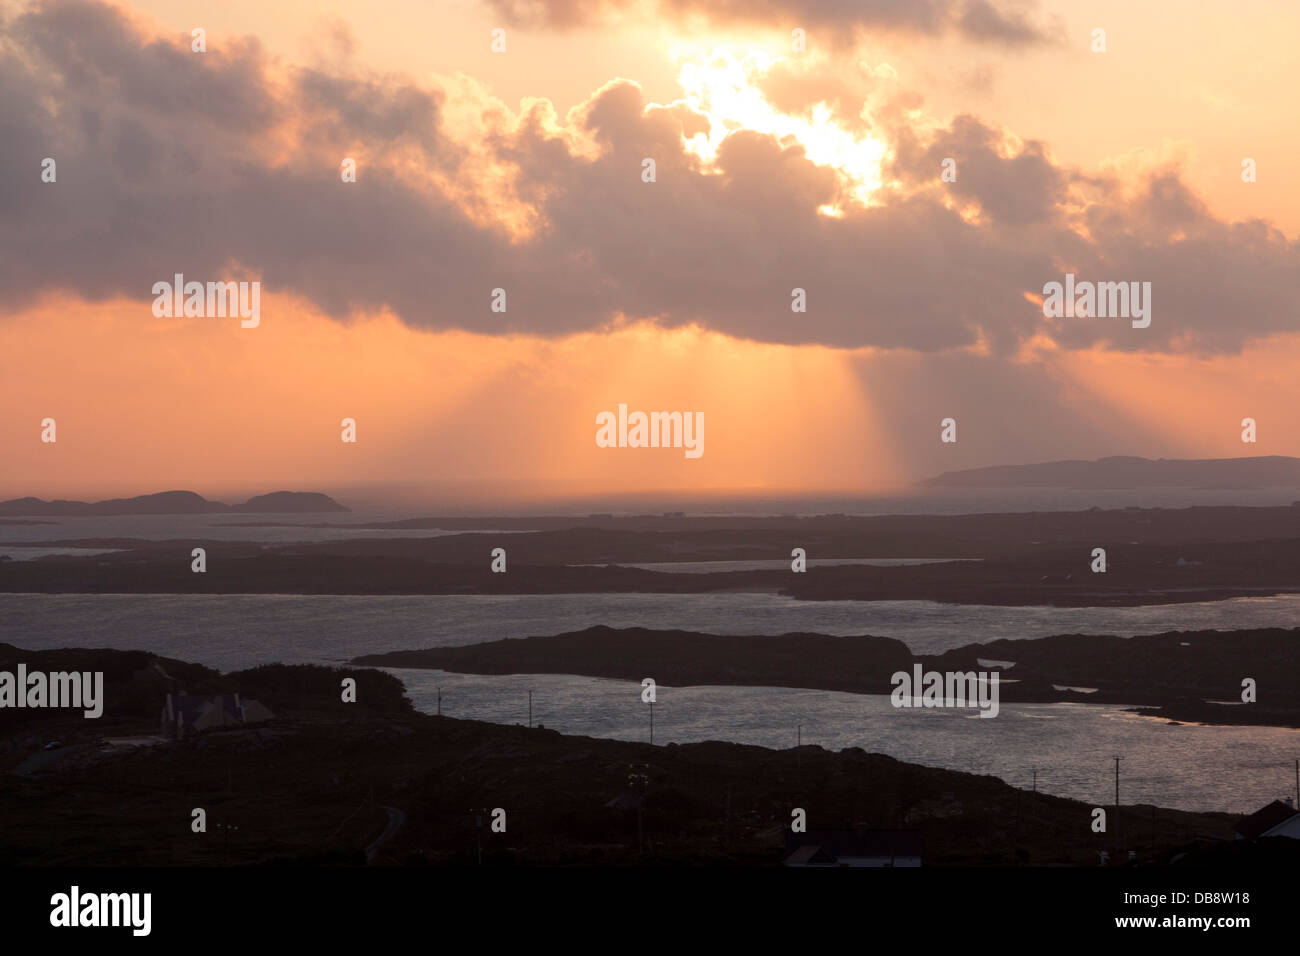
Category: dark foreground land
[1154,556]
[1178,675]
[326,781]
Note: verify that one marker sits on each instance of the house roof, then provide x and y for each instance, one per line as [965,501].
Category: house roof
[626,801]
[843,843]
[1265,819]
[810,855]
[194,706]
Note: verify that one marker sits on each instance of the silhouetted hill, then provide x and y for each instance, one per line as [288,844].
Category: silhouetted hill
[175,503]
[678,658]
[290,502]
[313,785]
[1178,673]
[137,682]
[1121,471]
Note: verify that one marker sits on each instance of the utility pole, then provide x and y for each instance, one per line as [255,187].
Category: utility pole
[638,779]
[227,827]
[1016,841]
[479,813]
[652,723]
[799,736]
[1118,758]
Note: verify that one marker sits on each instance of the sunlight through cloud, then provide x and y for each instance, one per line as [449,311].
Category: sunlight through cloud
[726,89]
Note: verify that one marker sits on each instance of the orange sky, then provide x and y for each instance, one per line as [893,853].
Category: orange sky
[145,404]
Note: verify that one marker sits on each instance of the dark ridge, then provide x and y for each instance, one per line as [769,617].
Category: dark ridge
[317,786]
[174,503]
[1177,673]
[1123,471]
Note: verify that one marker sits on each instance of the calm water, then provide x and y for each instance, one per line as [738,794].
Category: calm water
[1231,769]
[218,527]
[239,527]
[1205,768]
[779,564]
[231,631]
[28,553]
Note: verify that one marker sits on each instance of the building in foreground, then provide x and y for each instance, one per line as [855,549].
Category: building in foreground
[187,713]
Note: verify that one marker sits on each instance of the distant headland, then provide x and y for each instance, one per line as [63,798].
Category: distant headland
[1122,471]
[175,503]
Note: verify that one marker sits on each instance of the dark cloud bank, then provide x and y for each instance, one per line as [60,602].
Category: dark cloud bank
[167,163]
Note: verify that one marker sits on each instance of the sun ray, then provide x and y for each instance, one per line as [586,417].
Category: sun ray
[726,88]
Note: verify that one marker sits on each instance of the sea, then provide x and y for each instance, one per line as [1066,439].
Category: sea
[1069,746]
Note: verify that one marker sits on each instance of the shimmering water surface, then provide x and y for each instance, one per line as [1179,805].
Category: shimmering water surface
[239,630]
[1204,768]
[1193,767]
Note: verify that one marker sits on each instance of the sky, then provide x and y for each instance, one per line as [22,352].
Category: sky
[796,145]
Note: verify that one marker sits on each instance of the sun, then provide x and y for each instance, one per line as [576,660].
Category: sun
[726,88]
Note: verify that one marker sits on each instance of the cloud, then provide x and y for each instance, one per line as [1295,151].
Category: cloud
[1014,186]
[225,162]
[980,21]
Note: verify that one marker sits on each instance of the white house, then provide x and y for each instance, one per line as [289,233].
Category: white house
[186,713]
[1279,818]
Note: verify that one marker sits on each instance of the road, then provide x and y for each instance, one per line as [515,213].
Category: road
[395,820]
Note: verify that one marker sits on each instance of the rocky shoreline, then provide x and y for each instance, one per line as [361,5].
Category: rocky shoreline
[316,786]
[1176,675]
